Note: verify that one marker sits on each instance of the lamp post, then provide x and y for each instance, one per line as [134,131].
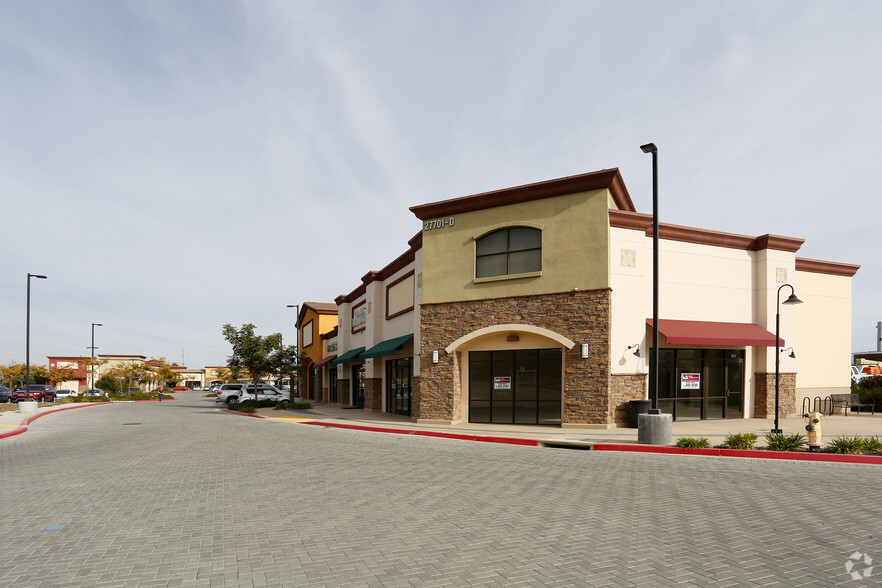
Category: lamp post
[28,333]
[653,369]
[92,387]
[296,345]
[792,299]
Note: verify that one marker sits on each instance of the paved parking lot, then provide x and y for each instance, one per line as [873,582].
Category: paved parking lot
[182,494]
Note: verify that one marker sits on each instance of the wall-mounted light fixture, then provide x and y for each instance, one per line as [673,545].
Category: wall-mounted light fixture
[584,350]
[434,356]
[636,348]
[791,355]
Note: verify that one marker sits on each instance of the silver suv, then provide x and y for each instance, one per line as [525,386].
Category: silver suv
[258,392]
[225,391]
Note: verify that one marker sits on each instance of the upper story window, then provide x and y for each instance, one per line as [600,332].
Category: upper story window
[517,250]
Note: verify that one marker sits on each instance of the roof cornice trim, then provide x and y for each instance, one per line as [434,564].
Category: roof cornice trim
[817,266]
[608,179]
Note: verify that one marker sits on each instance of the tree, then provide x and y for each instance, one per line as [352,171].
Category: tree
[251,352]
[107,383]
[59,375]
[286,361]
[128,373]
[15,374]
[161,373]
[228,375]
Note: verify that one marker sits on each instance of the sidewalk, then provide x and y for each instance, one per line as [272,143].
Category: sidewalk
[715,431]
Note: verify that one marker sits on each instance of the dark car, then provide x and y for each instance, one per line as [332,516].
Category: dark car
[95,392]
[5,394]
[38,392]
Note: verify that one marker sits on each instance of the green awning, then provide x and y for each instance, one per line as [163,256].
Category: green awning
[387,347]
[348,356]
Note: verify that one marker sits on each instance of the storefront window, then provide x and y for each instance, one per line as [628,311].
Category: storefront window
[509,251]
[701,383]
[515,387]
[398,392]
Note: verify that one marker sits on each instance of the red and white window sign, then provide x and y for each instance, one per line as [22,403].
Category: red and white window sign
[502,383]
[690,381]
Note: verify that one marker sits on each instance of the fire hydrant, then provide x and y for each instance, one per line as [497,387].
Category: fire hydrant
[814,430]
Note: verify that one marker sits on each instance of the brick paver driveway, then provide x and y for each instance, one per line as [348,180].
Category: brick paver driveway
[181,494]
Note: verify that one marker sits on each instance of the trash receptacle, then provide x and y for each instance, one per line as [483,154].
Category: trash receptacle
[637,407]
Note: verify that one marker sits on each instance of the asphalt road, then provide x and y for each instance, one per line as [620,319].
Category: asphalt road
[183,494]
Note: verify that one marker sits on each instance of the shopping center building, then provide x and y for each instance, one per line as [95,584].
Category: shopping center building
[533,305]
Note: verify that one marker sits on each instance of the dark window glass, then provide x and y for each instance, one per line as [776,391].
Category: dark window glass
[508,251]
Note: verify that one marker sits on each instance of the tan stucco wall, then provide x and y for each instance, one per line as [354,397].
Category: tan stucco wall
[823,335]
[574,245]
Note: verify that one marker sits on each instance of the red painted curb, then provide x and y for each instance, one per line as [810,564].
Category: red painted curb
[755,454]
[251,414]
[459,436]
[30,419]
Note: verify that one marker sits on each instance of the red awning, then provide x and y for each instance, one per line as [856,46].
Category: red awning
[713,333]
[325,360]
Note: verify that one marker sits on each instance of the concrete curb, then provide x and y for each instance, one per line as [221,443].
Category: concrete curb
[23,426]
[248,414]
[711,452]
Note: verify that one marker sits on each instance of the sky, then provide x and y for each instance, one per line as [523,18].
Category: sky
[175,166]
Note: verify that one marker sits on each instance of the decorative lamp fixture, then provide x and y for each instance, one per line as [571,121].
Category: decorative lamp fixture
[791,355]
[584,351]
[792,299]
[434,356]
[636,348]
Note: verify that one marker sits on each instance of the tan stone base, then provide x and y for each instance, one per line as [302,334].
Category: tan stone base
[764,405]
[434,422]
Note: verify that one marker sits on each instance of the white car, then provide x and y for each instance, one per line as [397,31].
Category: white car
[262,392]
[65,393]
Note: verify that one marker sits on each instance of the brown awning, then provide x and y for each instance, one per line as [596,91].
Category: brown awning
[678,332]
[325,360]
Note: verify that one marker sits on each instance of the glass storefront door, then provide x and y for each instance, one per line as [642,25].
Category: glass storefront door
[515,387]
[358,385]
[398,393]
[701,383]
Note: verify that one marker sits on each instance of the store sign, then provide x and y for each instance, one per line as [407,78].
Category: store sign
[690,381]
[332,346]
[359,316]
[502,383]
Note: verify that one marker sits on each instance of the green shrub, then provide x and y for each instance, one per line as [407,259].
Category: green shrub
[785,442]
[740,440]
[847,445]
[243,407]
[870,391]
[301,405]
[108,384]
[872,444]
[693,442]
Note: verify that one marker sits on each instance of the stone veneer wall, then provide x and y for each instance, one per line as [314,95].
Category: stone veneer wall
[373,394]
[622,389]
[582,316]
[320,391]
[414,397]
[343,395]
[764,406]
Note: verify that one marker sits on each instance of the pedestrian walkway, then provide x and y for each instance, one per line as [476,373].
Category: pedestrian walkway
[715,431]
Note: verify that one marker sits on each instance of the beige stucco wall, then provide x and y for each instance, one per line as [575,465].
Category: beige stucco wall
[823,335]
[574,245]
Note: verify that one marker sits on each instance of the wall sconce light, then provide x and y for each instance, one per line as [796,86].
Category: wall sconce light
[636,348]
[434,356]
[584,350]
[791,355]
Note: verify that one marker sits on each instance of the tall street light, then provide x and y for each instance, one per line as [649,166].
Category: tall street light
[93,348]
[792,299]
[296,345]
[28,333]
[653,370]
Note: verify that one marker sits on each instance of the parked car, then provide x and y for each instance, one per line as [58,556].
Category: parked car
[180,388]
[132,390]
[95,392]
[5,394]
[66,393]
[259,392]
[38,392]
[225,390]
[859,372]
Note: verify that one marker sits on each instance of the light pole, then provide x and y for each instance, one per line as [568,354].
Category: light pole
[93,358]
[296,346]
[792,299]
[28,334]
[653,369]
